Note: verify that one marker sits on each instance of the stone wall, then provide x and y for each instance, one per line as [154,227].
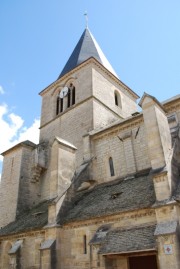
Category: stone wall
[71,126]
[72,254]
[10,186]
[18,189]
[27,255]
[128,157]
[82,80]
[104,89]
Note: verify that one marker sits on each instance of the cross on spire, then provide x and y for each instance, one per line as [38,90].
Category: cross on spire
[86,18]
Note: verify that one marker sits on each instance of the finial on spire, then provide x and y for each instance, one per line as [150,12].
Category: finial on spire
[86,17]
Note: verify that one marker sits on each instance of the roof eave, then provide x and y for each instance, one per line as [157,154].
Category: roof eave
[26,143]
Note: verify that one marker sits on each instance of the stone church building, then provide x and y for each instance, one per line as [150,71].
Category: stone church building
[101,190]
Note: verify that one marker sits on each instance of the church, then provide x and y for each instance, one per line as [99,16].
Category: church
[101,190]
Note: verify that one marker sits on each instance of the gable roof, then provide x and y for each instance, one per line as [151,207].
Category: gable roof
[86,48]
[25,143]
[110,198]
[151,97]
[128,241]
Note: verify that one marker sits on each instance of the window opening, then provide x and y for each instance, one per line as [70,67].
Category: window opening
[69,98]
[57,105]
[61,107]
[115,195]
[72,88]
[111,167]
[116,99]
[85,244]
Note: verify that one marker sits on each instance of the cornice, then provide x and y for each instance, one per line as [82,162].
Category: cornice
[118,126]
[62,80]
[141,213]
[76,105]
[26,234]
[172,106]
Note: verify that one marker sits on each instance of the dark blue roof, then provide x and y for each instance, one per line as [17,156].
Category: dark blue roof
[86,48]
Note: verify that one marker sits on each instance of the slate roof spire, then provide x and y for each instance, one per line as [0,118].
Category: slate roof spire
[86,48]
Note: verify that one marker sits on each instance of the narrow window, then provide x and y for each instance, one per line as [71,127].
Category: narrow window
[85,244]
[73,95]
[116,99]
[57,105]
[61,107]
[69,98]
[111,167]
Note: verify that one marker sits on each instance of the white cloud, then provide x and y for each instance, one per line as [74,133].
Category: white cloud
[1,90]
[13,130]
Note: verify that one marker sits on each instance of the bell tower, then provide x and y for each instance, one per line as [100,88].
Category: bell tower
[86,96]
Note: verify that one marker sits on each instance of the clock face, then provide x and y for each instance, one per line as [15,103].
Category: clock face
[63,92]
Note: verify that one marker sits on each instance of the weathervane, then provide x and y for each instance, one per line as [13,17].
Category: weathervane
[86,17]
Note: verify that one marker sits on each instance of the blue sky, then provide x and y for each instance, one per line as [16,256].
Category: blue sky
[141,40]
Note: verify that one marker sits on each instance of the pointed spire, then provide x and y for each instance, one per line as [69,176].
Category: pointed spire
[86,48]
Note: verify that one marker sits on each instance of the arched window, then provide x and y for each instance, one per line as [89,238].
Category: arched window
[72,93]
[117,99]
[111,167]
[67,100]
[59,105]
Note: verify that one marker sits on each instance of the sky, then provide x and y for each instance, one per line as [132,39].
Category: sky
[141,40]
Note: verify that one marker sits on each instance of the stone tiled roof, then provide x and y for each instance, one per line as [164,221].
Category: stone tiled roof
[32,219]
[166,228]
[110,198]
[130,240]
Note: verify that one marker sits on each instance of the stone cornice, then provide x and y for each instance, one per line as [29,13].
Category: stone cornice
[76,105]
[23,235]
[118,126]
[172,106]
[141,213]
[62,80]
